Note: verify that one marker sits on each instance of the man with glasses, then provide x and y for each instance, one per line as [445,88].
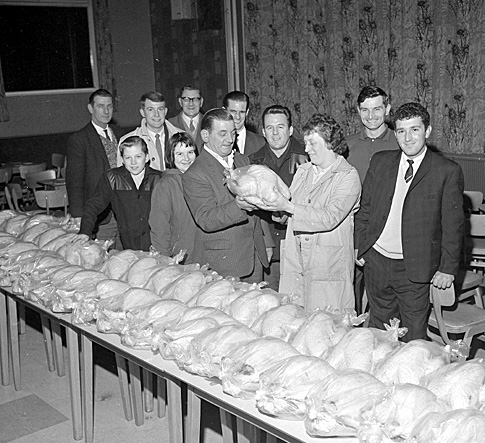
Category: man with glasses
[190,117]
[247,142]
[154,129]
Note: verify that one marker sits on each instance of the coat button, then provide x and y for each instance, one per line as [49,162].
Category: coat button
[309,200]
[307,238]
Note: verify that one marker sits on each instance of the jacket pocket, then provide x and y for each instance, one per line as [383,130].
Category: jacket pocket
[329,263]
[217,244]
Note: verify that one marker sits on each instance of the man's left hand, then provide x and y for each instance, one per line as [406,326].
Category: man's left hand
[441,280]
[269,253]
[243,204]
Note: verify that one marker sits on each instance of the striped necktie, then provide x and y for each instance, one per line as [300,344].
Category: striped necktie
[409,173]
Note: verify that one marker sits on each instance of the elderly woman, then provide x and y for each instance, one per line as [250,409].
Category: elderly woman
[317,257]
[172,226]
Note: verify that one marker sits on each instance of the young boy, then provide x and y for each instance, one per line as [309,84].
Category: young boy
[128,189]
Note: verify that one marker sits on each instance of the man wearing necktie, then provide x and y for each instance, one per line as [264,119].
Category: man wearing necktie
[409,229]
[90,152]
[155,130]
[190,116]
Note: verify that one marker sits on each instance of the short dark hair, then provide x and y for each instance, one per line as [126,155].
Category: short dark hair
[236,96]
[277,109]
[371,92]
[412,110]
[154,96]
[188,88]
[214,114]
[134,140]
[179,137]
[99,93]
[327,128]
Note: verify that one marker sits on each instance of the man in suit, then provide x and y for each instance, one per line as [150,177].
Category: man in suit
[91,151]
[247,142]
[154,129]
[283,154]
[410,225]
[229,236]
[190,117]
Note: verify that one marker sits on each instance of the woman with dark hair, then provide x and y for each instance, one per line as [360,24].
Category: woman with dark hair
[172,226]
[317,257]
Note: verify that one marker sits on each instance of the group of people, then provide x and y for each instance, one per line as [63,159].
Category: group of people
[377,208]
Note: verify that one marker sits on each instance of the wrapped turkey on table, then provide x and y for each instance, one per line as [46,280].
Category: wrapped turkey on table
[256,184]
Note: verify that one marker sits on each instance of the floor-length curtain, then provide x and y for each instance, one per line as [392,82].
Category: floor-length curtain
[4,115]
[316,55]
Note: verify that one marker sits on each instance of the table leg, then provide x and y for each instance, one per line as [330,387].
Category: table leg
[136,394]
[21,309]
[161,397]
[124,386]
[74,383]
[270,438]
[87,388]
[4,340]
[148,390]
[14,341]
[226,426]
[192,433]
[58,350]
[175,422]
[246,432]
[46,332]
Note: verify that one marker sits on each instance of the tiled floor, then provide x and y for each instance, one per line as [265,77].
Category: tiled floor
[41,411]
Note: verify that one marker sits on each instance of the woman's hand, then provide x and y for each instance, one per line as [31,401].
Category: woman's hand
[281,203]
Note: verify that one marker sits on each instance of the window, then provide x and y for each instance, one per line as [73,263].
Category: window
[46,47]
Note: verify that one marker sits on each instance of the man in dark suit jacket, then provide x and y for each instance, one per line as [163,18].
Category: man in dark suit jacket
[91,151]
[229,237]
[190,117]
[237,103]
[410,225]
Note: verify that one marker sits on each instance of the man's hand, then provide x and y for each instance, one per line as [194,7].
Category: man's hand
[441,280]
[269,253]
[279,217]
[358,261]
[243,204]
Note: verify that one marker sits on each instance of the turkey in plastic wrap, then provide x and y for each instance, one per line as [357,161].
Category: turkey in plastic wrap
[61,241]
[364,348]
[256,184]
[49,235]
[217,294]
[141,324]
[283,387]
[184,287]
[14,249]
[241,368]
[457,426]
[88,254]
[86,305]
[111,318]
[282,322]
[5,216]
[37,219]
[335,405]
[119,262]
[139,272]
[458,385]
[15,225]
[320,332]
[249,306]
[205,352]
[13,269]
[164,277]
[411,361]
[395,416]
[34,231]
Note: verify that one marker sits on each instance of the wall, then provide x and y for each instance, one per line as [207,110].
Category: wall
[63,113]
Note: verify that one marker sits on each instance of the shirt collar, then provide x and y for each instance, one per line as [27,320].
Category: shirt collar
[416,160]
[226,163]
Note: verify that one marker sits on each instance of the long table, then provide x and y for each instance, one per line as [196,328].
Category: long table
[249,419]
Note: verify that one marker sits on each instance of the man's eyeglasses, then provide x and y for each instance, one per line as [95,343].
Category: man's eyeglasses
[190,99]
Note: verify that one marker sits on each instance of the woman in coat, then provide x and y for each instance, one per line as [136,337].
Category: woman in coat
[171,223]
[318,254]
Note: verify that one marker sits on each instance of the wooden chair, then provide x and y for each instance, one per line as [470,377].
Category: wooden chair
[13,193]
[52,199]
[449,316]
[472,200]
[5,176]
[59,163]
[29,169]
[474,249]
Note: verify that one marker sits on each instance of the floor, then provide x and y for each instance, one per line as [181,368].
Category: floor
[41,411]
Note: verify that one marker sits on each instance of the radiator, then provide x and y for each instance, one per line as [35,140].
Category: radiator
[473,167]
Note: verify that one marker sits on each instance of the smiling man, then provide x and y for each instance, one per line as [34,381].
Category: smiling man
[373,108]
[409,229]
[154,129]
[229,236]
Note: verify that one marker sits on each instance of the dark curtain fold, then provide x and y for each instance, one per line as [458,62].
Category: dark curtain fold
[104,47]
[4,115]
[315,56]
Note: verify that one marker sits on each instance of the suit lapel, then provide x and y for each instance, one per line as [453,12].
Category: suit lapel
[423,170]
[97,145]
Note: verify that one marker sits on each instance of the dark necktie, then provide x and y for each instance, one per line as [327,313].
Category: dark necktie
[158,147]
[409,173]
[235,147]
[192,127]
[106,134]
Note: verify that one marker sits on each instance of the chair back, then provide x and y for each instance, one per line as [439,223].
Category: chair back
[5,174]
[477,225]
[472,200]
[440,298]
[32,179]
[28,169]
[13,192]
[58,162]
[52,199]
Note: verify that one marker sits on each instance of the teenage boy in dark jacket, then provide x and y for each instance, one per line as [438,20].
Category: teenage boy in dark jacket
[128,189]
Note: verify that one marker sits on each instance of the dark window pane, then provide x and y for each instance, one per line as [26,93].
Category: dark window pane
[44,48]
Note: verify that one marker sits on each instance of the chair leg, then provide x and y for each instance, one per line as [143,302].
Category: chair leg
[226,426]
[14,342]
[58,349]
[148,390]
[193,416]
[124,386]
[175,421]
[46,331]
[136,395]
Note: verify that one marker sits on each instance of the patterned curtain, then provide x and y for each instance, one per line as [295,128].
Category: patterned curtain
[104,47]
[4,115]
[315,56]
